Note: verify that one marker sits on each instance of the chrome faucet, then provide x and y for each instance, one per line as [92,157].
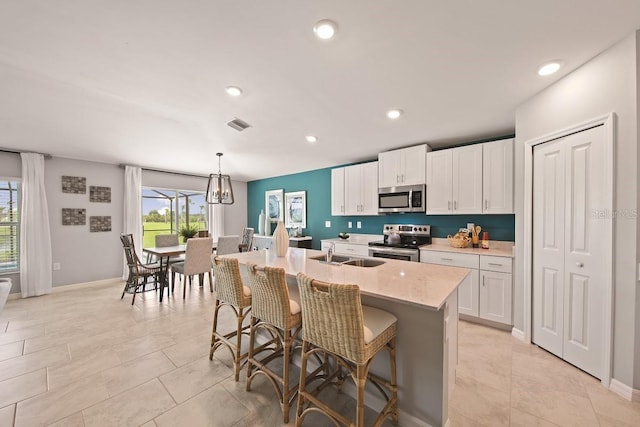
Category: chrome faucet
[332,247]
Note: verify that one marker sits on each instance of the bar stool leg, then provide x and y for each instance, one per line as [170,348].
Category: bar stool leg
[215,328]
[302,383]
[236,362]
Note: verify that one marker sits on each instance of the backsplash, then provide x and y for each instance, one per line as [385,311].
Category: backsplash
[317,184]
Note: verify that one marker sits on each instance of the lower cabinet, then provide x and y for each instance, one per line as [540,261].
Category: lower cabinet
[486,293]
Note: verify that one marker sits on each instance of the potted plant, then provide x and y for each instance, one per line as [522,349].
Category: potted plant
[188,232]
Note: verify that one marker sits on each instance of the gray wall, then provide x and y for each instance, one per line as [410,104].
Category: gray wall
[85,256]
[10,167]
[607,83]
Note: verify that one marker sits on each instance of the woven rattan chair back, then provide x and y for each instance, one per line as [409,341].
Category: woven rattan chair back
[165,240]
[270,295]
[332,317]
[229,286]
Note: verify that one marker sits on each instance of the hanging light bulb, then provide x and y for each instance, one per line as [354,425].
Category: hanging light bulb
[219,190]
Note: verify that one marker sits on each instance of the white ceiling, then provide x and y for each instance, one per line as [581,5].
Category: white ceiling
[142,82]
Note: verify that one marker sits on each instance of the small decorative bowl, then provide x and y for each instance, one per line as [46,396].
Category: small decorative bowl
[343,236]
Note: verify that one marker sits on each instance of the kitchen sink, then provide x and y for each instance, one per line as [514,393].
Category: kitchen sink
[363,262]
[356,262]
[336,259]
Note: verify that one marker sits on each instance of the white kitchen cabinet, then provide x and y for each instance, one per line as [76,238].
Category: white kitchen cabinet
[337,192]
[361,189]
[486,292]
[495,296]
[454,181]
[497,177]
[406,166]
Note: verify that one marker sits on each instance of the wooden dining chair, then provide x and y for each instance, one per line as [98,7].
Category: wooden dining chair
[139,273]
[197,260]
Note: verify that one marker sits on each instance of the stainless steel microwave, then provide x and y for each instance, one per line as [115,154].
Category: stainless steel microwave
[407,198]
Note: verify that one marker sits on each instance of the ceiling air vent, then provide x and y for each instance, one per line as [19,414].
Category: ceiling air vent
[238,124]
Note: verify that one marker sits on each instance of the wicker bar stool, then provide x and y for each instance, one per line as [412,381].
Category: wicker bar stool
[274,312]
[335,322]
[230,292]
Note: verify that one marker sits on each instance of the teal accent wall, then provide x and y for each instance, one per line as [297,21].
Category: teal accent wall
[317,184]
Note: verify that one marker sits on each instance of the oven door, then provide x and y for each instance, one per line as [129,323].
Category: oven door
[395,253]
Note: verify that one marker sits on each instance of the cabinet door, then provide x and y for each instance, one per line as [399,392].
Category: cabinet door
[467,179]
[413,165]
[495,296]
[439,182]
[497,176]
[353,190]
[337,192]
[369,198]
[469,294]
[389,164]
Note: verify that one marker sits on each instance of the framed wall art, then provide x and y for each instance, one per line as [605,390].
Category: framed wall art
[295,212]
[274,205]
[99,194]
[74,184]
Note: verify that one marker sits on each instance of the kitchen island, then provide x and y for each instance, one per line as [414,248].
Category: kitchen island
[424,299]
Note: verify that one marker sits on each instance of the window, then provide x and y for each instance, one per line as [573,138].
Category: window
[167,211]
[9,226]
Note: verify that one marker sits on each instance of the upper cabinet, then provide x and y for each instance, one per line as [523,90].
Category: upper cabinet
[474,179]
[354,190]
[497,177]
[337,192]
[361,189]
[402,167]
[454,181]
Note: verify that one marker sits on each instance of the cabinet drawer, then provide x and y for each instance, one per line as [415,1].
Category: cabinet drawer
[350,249]
[450,258]
[495,263]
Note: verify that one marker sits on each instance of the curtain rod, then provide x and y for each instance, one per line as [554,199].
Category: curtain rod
[122,165]
[7,150]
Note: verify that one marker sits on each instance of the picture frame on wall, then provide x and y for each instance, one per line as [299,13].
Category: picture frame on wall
[295,212]
[274,205]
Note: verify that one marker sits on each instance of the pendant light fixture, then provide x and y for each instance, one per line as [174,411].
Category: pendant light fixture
[219,191]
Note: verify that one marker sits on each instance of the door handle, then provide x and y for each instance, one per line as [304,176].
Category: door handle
[449,205]
[486,204]
[455,205]
[579,264]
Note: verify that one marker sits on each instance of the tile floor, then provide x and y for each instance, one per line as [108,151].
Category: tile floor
[86,358]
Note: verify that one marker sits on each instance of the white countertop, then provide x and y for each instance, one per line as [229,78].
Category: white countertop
[424,285]
[357,239]
[496,248]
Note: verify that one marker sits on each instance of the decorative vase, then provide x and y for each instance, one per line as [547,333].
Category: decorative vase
[267,226]
[261,222]
[280,239]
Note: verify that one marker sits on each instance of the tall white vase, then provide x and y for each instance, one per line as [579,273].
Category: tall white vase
[267,226]
[261,223]
[280,239]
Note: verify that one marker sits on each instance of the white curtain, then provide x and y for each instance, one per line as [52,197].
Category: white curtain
[132,209]
[216,221]
[35,235]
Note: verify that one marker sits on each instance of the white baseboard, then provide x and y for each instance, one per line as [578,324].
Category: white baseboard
[518,334]
[74,286]
[623,390]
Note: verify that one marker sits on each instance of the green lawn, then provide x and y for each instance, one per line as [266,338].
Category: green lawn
[150,229]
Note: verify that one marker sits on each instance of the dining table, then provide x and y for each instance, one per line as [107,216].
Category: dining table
[164,254]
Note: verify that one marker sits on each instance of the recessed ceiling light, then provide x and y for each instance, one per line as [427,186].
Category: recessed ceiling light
[311,139]
[394,114]
[325,29]
[549,68]
[233,90]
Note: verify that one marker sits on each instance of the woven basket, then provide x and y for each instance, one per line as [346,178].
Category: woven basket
[458,241]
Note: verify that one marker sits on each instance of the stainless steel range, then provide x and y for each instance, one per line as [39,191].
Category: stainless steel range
[401,242]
